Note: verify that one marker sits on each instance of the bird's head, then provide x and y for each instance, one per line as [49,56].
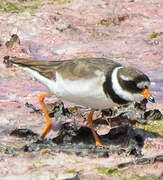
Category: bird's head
[133,84]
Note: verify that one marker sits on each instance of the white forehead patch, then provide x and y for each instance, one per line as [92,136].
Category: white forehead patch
[143,84]
[125,78]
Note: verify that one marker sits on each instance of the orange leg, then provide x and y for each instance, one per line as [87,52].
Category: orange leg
[48,121]
[98,142]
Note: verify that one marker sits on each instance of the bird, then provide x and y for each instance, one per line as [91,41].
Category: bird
[97,83]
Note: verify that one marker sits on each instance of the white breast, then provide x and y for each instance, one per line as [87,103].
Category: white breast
[85,92]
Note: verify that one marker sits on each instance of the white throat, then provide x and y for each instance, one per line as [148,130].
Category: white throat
[120,91]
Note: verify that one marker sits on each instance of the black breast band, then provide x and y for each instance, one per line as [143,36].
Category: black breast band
[108,89]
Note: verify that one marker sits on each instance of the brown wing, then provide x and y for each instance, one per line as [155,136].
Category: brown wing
[71,69]
[86,67]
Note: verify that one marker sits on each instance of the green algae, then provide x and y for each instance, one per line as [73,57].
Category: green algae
[71,171]
[153,127]
[113,20]
[146,177]
[109,171]
[61,2]
[9,7]
[105,22]
[123,174]
[155,35]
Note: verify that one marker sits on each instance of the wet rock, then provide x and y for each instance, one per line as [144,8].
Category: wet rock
[7,150]
[153,115]
[34,110]
[132,113]
[73,139]
[56,110]
[69,134]
[23,133]
[81,142]
[134,141]
[149,160]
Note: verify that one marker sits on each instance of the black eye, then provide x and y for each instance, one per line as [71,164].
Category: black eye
[143,84]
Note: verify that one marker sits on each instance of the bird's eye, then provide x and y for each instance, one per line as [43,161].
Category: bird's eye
[143,84]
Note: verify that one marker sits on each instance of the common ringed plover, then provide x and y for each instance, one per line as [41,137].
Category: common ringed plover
[97,83]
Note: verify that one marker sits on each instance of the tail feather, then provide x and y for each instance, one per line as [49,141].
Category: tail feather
[46,68]
[9,61]
[31,63]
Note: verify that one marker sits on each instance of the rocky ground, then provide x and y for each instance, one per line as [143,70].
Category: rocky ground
[127,31]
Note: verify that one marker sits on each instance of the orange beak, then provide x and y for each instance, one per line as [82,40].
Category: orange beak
[147,95]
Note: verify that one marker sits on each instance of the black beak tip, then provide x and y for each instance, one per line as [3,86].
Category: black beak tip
[151,99]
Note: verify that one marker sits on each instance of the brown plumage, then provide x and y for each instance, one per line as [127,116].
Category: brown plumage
[71,69]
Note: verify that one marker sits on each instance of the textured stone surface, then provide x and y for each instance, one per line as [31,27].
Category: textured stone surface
[123,30]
